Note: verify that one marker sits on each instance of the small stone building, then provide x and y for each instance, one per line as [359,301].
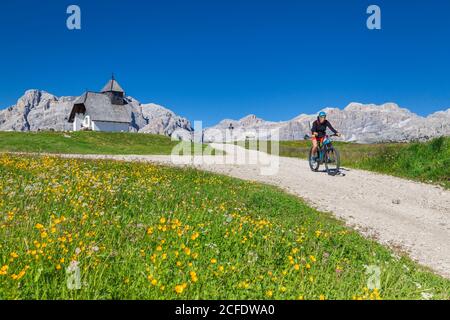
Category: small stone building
[107,110]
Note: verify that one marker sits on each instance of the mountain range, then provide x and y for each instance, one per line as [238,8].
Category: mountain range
[364,123]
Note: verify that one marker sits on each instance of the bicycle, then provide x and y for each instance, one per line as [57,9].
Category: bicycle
[326,154]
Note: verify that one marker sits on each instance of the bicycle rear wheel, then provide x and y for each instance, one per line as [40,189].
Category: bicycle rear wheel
[332,161]
[314,165]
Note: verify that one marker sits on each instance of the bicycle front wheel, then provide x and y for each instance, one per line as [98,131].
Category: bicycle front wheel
[332,161]
[314,161]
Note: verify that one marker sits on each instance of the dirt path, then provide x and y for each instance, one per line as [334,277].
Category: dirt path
[400,213]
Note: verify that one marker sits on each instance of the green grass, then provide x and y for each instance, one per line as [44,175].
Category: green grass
[426,162]
[141,231]
[89,143]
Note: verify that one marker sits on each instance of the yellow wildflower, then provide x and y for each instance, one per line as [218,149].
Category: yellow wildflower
[180,288]
[195,236]
[4,270]
[193,275]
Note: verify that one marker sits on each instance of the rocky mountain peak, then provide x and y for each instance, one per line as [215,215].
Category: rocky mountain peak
[360,107]
[251,119]
[440,114]
[33,97]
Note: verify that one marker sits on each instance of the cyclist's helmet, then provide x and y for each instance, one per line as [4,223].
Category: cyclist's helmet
[322,114]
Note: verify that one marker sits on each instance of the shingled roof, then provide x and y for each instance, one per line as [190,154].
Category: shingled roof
[99,107]
[112,86]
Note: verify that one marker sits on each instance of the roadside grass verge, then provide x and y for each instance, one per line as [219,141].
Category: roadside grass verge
[91,143]
[142,231]
[426,162]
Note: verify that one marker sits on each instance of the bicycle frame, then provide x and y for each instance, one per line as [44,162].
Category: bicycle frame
[323,146]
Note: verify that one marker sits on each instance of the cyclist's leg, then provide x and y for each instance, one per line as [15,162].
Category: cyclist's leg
[315,147]
[320,147]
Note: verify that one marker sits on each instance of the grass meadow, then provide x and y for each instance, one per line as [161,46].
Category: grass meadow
[90,143]
[84,229]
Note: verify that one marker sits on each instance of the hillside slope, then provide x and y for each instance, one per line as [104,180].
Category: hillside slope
[427,162]
[87,143]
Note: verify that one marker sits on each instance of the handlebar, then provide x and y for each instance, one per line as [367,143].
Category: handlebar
[328,135]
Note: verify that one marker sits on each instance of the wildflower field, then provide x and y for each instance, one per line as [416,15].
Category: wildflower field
[78,229]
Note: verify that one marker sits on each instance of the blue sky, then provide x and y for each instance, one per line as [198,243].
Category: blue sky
[214,59]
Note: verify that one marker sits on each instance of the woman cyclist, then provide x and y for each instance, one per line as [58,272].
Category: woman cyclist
[319,131]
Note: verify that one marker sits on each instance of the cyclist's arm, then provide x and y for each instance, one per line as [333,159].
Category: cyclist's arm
[331,128]
[314,129]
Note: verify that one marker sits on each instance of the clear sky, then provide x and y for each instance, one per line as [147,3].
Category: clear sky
[214,59]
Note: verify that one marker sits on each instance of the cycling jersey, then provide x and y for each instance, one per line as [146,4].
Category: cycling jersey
[321,128]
